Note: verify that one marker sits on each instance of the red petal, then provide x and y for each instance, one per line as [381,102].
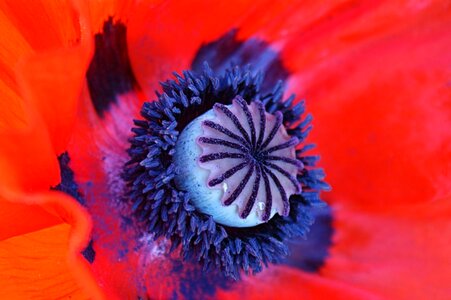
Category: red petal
[379,91]
[36,218]
[399,253]
[98,12]
[164,38]
[13,46]
[48,263]
[44,39]
[52,83]
[34,266]
[27,158]
[44,24]
[280,282]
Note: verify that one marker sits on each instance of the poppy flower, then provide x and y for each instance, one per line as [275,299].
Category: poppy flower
[92,202]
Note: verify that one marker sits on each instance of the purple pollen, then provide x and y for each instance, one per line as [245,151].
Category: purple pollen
[249,135]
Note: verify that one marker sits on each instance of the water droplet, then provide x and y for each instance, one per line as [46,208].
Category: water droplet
[225,187]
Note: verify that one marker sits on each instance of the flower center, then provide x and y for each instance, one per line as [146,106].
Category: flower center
[238,164]
[213,157]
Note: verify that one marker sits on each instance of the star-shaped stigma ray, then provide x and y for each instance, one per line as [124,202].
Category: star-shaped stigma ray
[248,151]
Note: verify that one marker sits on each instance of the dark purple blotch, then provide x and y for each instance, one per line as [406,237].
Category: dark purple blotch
[229,51]
[68,184]
[89,253]
[110,72]
[311,253]
[70,187]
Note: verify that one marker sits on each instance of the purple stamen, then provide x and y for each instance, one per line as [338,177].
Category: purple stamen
[169,184]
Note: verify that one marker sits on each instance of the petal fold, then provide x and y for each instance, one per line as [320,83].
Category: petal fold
[50,258]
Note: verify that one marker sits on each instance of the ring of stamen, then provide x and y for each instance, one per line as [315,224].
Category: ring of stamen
[166,210]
